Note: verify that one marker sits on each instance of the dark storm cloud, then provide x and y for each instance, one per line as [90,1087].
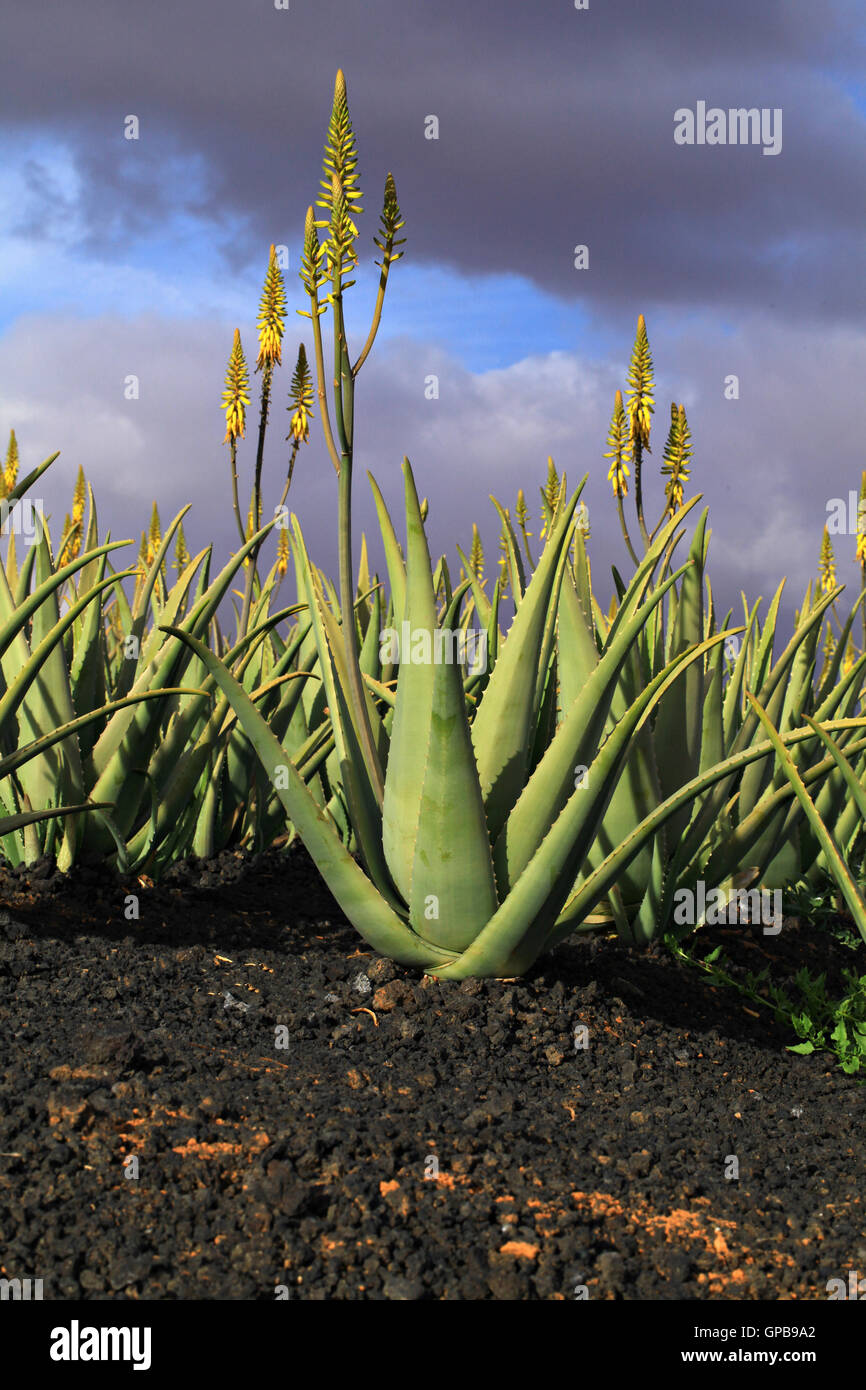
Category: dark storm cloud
[556,128]
[766,465]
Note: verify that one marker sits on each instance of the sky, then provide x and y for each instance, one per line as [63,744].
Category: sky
[555,129]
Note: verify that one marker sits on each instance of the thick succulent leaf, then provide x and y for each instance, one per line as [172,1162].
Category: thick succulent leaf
[10,823]
[516,933]
[351,771]
[393,554]
[31,750]
[14,622]
[129,740]
[516,571]
[573,747]
[360,900]
[404,778]
[503,728]
[435,786]
[581,903]
[679,721]
[483,606]
[839,869]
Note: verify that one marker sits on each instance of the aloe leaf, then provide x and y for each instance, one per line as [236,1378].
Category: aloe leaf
[517,931]
[503,728]
[434,787]
[131,735]
[483,606]
[393,554]
[30,750]
[10,823]
[515,563]
[594,888]
[360,900]
[404,777]
[22,612]
[841,873]
[572,748]
[679,721]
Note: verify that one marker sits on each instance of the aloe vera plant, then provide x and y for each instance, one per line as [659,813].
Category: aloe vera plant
[468,862]
[95,715]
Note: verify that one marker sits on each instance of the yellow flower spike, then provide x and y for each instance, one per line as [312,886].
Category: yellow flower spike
[640,401]
[619,449]
[341,159]
[78,496]
[476,555]
[181,554]
[10,470]
[154,535]
[235,397]
[251,529]
[301,398]
[861,524]
[549,496]
[282,553]
[70,540]
[827,562]
[677,458]
[272,315]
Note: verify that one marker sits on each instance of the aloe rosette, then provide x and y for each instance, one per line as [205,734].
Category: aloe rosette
[468,861]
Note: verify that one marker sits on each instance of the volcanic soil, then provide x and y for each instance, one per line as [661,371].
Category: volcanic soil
[232,1097]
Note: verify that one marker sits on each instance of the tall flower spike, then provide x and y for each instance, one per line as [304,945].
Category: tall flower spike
[521,512]
[235,395]
[313,271]
[503,562]
[476,555]
[272,314]
[619,449]
[78,496]
[827,571]
[341,158]
[677,456]
[340,245]
[70,540]
[10,471]
[301,399]
[154,537]
[392,221]
[549,495]
[181,554]
[861,523]
[282,552]
[640,400]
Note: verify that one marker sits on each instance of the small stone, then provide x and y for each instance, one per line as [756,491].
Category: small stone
[389,996]
[400,1289]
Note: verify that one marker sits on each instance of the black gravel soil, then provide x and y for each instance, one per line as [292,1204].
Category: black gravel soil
[310,1119]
